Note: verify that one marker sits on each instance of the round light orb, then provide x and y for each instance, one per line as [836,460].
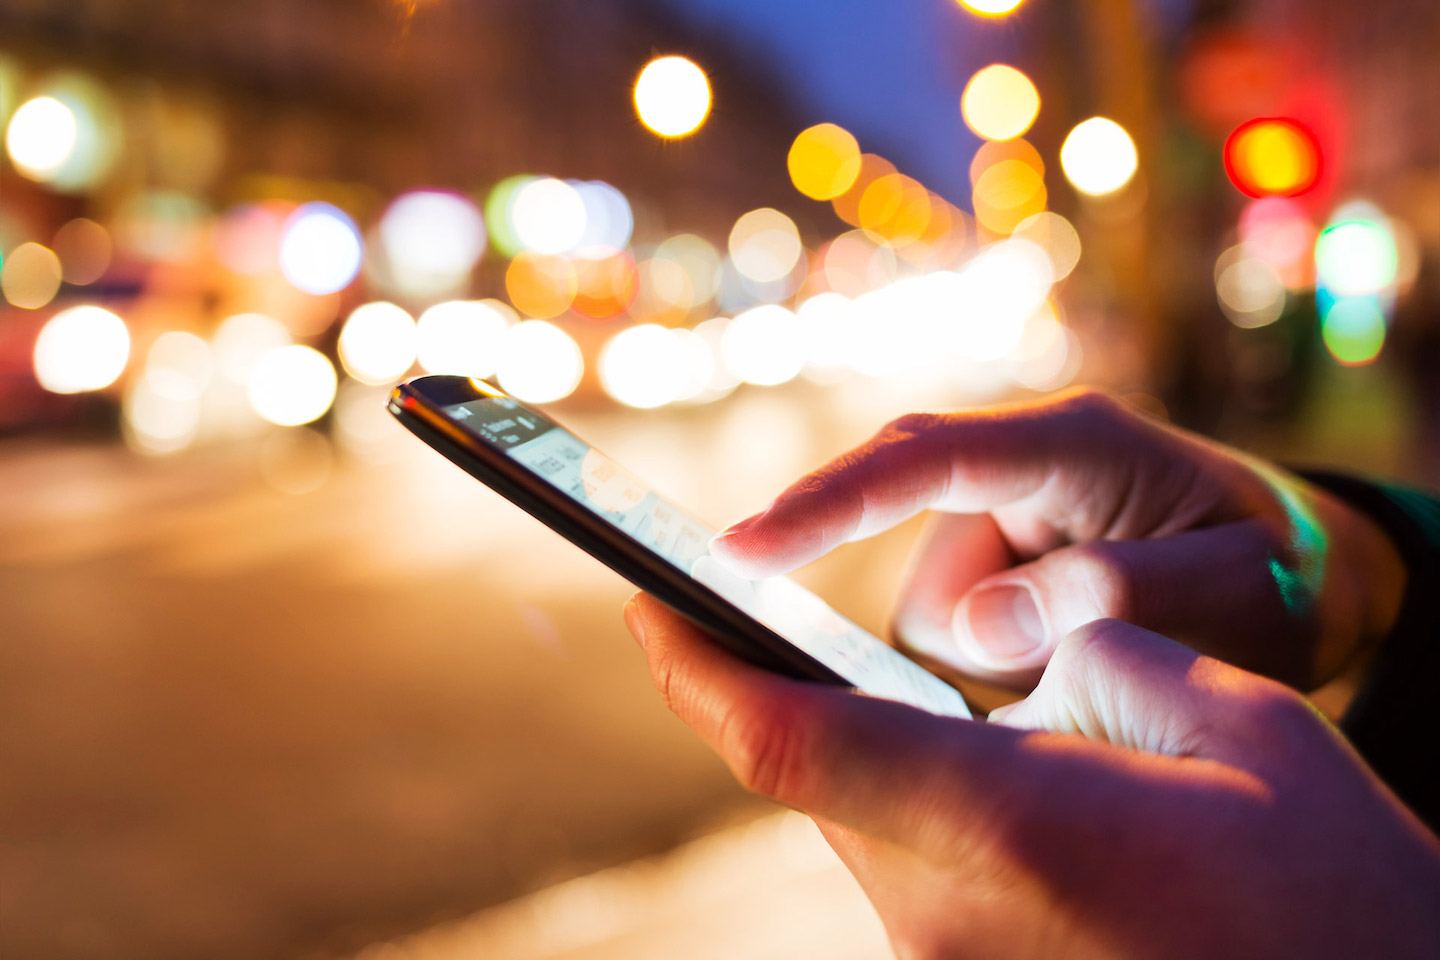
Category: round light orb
[179,365]
[291,385]
[764,346]
[432,240]
[1354,330]
[461,337]
[30,276]
[644,366]
[320,251]
[242,339]
[1356,256]
[765,245]
[1098,157]
[41,137]
[609,221]
[81,349]
[1000,102]
[540,363]
[548,216]
[672,96]
[824,161]
[1056,236]
[990,8]
[155,422]
[377,343]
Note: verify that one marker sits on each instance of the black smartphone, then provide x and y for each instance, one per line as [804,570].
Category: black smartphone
[587,498]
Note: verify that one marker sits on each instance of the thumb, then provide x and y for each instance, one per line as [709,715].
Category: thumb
[1115,682]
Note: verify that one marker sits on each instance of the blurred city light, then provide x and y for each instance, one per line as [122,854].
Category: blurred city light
[1354,330]
[499,204]
[764,345]
[539,362]
[548,216]
[1279,231]
[461,337]
[895,208]
[606,282]
[1356,253]
[247,239]
[990,8]
[672,96]
[765,245]
[665,295]
[1250,291]
[242,339]
[179,365]
[701,261]
[291,385]
[377,343]
[41,137]
[609,220]
[644,366]
[81,349]
[1098,157]
[1056,236]
[1273,156]
[320,251]
[847,204]
[1007,194]
[540,285]
[84,249]
[30,276]
[829,326]
[1000,102]
[854,264]
[156,422]
[824,161]
[432,240]
[699,365]
[94,133]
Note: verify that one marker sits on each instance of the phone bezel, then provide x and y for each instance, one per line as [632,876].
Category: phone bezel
[419,405]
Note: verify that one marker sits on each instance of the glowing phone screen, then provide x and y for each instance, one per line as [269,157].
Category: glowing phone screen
[794,613]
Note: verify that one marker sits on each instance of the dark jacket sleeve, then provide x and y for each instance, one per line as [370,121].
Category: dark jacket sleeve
[1394,720]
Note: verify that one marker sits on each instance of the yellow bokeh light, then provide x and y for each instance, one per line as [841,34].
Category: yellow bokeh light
[996,151]
[672,96]
[824,161]
[1098,157]
[41,137]
[1000,102]
[1007,193]
[990,8]
[765,245]
[895,208]
[81,349]
[847,204]
[291,385]
[377,343]
[30,277]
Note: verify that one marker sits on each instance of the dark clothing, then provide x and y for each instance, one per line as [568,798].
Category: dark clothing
[1395,719]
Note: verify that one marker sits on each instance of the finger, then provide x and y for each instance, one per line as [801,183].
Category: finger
[1072,462]
[1118,683]
[873,765]
[1187,586]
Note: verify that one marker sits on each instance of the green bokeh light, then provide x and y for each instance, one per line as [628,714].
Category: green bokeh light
[1356,256]
[1354,330]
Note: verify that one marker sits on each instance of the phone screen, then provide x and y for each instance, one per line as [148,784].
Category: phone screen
[588,477]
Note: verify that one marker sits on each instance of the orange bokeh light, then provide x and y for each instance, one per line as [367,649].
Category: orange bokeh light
[1273,157]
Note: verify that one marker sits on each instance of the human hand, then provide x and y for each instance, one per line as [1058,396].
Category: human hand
[1206,812]
[1075,508]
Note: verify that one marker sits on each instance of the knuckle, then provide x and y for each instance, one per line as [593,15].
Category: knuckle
[1105,578]
[765,748]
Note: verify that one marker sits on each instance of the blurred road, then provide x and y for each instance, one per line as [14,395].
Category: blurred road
[240,723]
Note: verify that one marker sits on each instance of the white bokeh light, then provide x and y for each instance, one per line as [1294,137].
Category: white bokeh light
[377,343]
[549,216]
[462,338]
[540,362]
[1098,157]
[432,240]
[320,251]
[764,346]
[241,339]
[672,96]
[179,365]
[41,137]
[291,385]
[644,366]
[81,349]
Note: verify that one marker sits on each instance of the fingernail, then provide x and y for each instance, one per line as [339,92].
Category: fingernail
[635,621]
[735,528]
[1005,623]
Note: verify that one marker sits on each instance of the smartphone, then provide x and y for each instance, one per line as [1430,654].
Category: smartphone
[587,498]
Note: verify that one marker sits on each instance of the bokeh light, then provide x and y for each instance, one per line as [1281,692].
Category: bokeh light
[461,337]
[84,249]
[179,365]
[824,161]
[499,205]
[764,346]
[291,385]
[1248,288]
[540,285]
[702,263]
[1056,236]
[41,137]
[1000,102]
[1273,156]
[644,366]
[606,282]
[155,422]
[320,251]
[765,245]
[1354,330]
[94,128]
[609,221]
[672,96]
[665,294]
[1098,157]
[854,263]
[847,204]
[81,349]
[540,363]
[1007,194]
[30,276]
[377,343]
[431,240]
[1356,254]
[990,8]
[1280,232]
[247,239]
[895,208]
[548,216]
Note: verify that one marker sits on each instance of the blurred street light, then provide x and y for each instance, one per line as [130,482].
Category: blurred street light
[1000,102]
[321,251]
[377,343]
[81,349]
[291,385]
[672,96]
[1098,157]
[41,137]
[990,8]
[824,161]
